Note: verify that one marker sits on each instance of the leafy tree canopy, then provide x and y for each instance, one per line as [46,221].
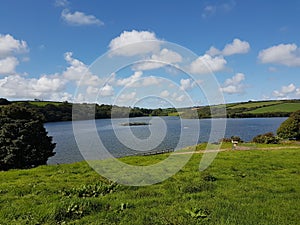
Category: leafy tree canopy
[24,142]
[290,129]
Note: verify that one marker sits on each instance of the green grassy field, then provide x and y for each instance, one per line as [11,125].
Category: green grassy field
[254,104]
[284,107]
[240,187]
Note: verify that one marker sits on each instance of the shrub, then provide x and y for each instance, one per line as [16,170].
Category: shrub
[232,138]
[267,138]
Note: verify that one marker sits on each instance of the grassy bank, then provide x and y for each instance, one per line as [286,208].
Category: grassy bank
[240,187]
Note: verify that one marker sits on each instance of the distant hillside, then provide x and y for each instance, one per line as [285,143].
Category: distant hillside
[272,108]
[62,111]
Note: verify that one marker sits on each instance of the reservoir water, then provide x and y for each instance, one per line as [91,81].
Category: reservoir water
[162,133]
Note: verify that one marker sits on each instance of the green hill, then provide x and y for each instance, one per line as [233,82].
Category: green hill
[281,107]
[62,111]
[273,108]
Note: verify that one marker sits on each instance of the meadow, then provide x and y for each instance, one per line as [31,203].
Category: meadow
[261,186]
[284,107]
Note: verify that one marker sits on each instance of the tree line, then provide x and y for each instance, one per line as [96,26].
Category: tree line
[64,111]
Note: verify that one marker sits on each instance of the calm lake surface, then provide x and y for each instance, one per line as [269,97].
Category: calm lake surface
[162,133]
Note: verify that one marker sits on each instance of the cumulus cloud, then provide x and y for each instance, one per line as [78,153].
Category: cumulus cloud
[8,65]
[180,98]
[50,87]
[107,90]
[284,54]
[149,81]
[10,46]
[164,57]
[213,51]
[207,64]
[78,71]
[136,80]
[129,80]
[236,47]
[126,97]
[285,91]
[80,18]
[187,84]
[136,42]
[164,94]
[234,85]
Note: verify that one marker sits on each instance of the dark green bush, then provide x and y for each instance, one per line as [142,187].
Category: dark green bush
[267,138]
[290,129]
[23,139]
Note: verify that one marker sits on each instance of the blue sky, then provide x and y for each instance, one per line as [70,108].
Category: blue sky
[251,48]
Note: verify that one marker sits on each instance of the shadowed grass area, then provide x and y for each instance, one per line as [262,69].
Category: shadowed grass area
[240,187]
[42,103]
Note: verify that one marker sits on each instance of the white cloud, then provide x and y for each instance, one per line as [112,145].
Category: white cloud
[92,90]
[126,97]
[61,3]
[288,89]
[186,84]
[78,71]
[234,85]
[278,94]
[136,80]
[48,87]
[47,84]
[148,65]
[285,91]
[150,80]
[136,42]
[107,90]
[166,55]
[207,64]
[180,98]
[284,54]
[163,58]
[236,47]
[80,18]
[164,94]
[130,80]
[213,51]
[239,77]
[8,65]
[10,46]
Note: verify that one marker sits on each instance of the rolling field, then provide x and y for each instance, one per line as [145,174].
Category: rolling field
[284,107]
[239,187]
[254,104]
